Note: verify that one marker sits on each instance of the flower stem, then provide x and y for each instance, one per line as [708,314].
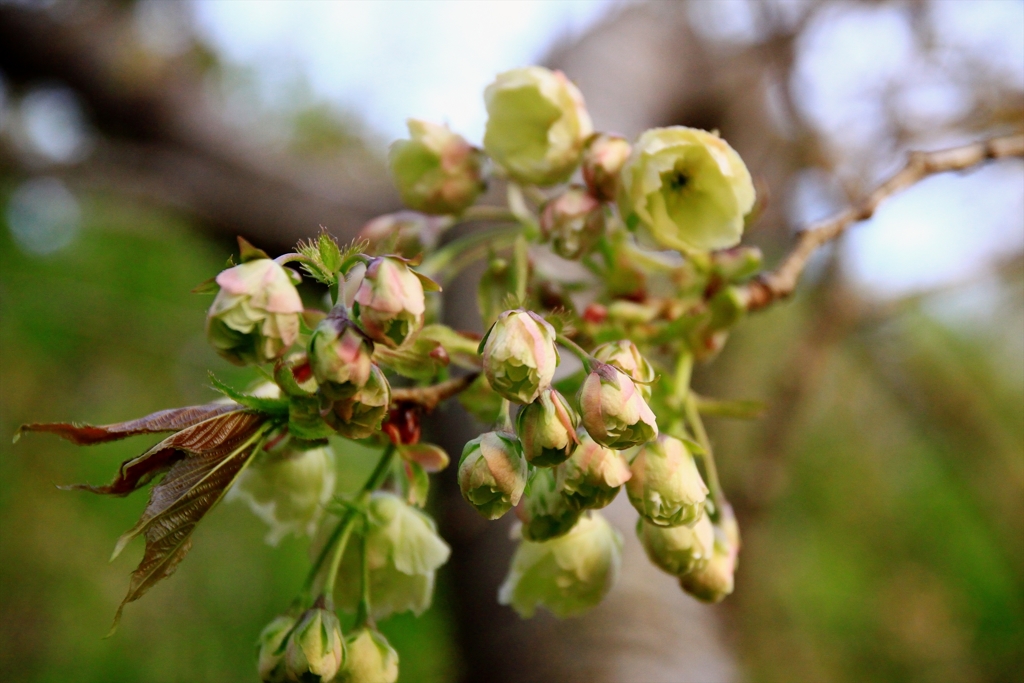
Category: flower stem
[711,470]
[576,350]
[445,263]
[339,536]
[363,612]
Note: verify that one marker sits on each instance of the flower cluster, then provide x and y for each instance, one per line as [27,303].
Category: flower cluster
[659,281]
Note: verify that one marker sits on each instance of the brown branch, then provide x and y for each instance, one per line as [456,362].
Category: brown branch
[430,397]
[781,282]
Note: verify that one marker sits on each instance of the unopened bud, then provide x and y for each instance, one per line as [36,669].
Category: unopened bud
[547,429]
[519,355]
[389,303]
[315,649]
[613,410]
[736,264]
[536,124]
[573,221]
[544,511]
[255,316]
[715,580]
[624,355]
[567,575]
[436,171]
[603,159]
[361,415]
[272,643]
[492,473]
[666,488]
[677,549]
[369,658]
[340,356]
[590,479]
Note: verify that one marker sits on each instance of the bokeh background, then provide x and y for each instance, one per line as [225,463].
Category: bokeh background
[881,495]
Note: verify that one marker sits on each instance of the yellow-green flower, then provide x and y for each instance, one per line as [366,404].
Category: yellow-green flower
[614,411]
[547,429]
[573,221]
[591,478]
[567,575]
[389,303]
[688,188]
[315,649]
[361,415]
[536,124]
[436,171]
[492,473]
[543,510]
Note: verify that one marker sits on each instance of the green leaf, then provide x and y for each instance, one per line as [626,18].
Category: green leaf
[270,406]
[305,421]
[426,455]
[462,349]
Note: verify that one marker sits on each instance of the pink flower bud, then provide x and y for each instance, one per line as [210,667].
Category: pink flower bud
[389,303]
[573,221]
[519,355]
[340,356]
[613,410]
[492,473]
[666,488]
[624,356]
[255,317]
[603,159]
[547,429]
[436,171]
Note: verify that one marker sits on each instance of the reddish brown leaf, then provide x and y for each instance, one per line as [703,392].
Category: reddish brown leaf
[428,456]
[164,421]
[219,434]
[190,489]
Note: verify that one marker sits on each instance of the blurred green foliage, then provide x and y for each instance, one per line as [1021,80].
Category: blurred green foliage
[100,331]
[889,544]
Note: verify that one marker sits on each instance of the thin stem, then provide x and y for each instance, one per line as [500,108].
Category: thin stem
[331,577]
[445,263]
[505,415]
[363,612]
[576,350]
[342,528]
[711,470]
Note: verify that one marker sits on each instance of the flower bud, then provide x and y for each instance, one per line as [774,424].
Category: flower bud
[544,511]
[688,187]
[255,316]
[591,478]
[436,171]
[547,429]
[603,159]
[519,355]
[677,549]
[340,356]
[361,416]
[406,233]
[403,554]
[567,575]
[715,580]
[624,356]
[492,473]
[536,124]
[287,489]
[573,221]
[389,303]
[272,643]
[315,650]
[613,410]
[666,488]
[369,658]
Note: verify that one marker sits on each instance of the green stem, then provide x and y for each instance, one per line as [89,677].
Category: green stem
[331,577]
[363,612]
[714,484]
[339,536]
[505,415]
[576,350]
[445,263]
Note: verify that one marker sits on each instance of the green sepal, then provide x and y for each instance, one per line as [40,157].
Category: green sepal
[285,379]
[270,406]
[208,286]
[422,359]
[304,419]
[415,482]
[247,252]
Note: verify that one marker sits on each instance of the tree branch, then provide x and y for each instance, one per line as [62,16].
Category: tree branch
[430,397]
[781,282]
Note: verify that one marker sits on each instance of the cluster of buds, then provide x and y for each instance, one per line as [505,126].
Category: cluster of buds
[310,648]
